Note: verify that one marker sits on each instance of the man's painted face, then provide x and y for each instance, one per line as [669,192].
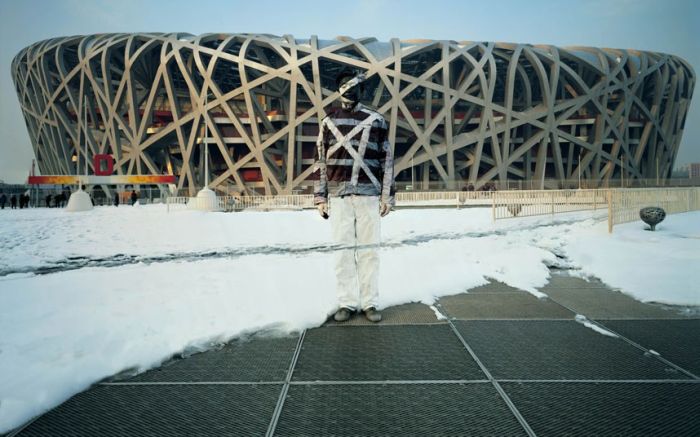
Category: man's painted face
[350,89]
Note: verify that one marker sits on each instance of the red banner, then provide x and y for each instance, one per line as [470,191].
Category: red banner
[102,180]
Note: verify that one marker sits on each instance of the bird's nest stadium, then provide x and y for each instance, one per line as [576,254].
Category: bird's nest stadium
[460,113]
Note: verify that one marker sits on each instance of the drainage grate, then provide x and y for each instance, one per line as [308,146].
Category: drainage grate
[502,306]
[183,410]
[396,409]
[381,353]
[600,303]
[407,314]
[558,349]
[622,409]
[677,341]
[254,359]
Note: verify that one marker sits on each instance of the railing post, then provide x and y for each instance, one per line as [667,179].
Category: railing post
[595,199]
[493,207]
[552,200]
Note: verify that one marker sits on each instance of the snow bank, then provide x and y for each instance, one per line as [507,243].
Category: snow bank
[661,266]
[61,332]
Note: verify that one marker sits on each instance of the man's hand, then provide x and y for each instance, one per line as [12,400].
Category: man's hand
[384,208]
[323,210]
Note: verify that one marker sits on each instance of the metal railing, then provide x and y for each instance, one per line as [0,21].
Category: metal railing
[443,198]
[219,203]
[523,203]
[622,204]
[547,184]
[306,201]
[265,203]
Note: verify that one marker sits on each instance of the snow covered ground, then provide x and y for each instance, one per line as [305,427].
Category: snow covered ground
[86,295]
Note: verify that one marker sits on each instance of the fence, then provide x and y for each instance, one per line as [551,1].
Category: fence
[306,201]
[219,203]
[290,201]
[509,204]
[624,205]
[443,198]
[548,184]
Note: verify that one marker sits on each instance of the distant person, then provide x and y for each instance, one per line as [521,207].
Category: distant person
[3,200]
[13,202]
[116,199]
[134,197]
[48,200]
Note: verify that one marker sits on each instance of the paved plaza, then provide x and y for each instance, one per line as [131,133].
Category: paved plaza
[501,362]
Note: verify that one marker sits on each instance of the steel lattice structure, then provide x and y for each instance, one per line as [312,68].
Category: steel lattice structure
[459,112]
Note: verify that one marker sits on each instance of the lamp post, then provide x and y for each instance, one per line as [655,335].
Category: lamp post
[579,170]
[622,173]
[413,175]
[206,143]
[657,171]
[86,143]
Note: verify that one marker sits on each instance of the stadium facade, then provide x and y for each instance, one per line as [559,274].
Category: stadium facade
[459,112]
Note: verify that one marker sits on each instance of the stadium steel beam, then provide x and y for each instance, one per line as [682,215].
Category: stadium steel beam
[459,112]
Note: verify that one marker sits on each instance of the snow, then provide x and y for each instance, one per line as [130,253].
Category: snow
[438,314]
[660,266]
[588,324]
[129,287]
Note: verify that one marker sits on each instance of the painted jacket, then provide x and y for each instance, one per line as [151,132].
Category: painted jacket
[354,156]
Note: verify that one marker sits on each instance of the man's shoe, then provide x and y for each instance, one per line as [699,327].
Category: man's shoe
[373,315]
[343,314]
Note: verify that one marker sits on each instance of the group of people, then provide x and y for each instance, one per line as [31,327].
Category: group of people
[22,200]
[134,198]
[488,186]
[52,200]
[59,200]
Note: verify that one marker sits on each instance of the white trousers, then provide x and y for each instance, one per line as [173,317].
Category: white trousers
[355,225]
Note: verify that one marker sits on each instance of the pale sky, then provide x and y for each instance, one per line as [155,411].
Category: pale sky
[670,26]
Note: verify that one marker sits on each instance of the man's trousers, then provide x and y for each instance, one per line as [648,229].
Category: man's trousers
[355,225]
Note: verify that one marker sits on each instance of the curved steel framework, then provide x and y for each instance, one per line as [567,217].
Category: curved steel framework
[459,112]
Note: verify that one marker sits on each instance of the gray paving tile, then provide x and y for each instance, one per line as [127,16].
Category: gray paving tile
[557,349]
[610,409]
[381,353]
[172,410]
[601,303]
[397,410]
[410,313]
[495,287]
[676,340]
[502,306]
[561,280]
[259,358]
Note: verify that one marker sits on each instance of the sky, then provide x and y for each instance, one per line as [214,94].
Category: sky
[671,26]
